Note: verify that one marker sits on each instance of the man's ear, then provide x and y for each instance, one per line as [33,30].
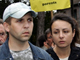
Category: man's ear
[44,43]
[6,26]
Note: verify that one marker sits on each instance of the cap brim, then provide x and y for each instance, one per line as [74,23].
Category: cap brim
[22,12]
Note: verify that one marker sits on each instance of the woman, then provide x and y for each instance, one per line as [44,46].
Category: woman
[65,34]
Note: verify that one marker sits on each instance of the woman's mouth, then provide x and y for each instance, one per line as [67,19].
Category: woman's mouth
[62,42]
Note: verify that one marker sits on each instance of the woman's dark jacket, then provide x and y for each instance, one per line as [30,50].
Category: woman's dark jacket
[74,55]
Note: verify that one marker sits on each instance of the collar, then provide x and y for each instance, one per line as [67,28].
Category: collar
[37,52]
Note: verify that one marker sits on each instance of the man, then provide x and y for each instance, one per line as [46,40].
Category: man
[48,37]
[18,22]
[3,34]
[43,42]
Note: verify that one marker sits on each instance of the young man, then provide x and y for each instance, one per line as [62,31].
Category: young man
[3,34]
[18,22]
[48,37]
[43,42]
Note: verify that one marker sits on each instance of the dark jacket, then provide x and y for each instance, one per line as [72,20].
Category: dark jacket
[38,53]
[74,55]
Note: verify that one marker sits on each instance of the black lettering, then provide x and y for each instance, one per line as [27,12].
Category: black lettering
[49,3]
[43,4]
[55,2]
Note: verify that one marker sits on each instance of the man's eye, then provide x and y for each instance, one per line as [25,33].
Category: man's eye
[50,37]
[19,20]
[29,20]
[55,32]
[1,33]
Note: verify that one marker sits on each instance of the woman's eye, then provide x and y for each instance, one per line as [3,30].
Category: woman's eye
[65,31]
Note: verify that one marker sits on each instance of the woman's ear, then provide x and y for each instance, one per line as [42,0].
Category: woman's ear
[6,26]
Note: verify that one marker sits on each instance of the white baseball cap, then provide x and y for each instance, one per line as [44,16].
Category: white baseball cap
[17,10]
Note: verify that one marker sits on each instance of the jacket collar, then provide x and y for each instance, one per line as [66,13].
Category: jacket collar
[37,52]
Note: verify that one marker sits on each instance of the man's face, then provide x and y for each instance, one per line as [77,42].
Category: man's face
[21,29]
[49,39]
[2,34]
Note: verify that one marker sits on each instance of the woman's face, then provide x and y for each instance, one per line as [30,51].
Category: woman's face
[62,33]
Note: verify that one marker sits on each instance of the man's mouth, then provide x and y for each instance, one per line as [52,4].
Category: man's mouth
[26,33]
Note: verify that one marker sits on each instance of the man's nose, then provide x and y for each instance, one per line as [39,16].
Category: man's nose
[26,25]
[0,39]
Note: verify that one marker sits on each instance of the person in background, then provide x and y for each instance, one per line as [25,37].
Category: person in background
[42,42]
[3,34]
[77,44]
[65,33]
[49,39]
[18,22]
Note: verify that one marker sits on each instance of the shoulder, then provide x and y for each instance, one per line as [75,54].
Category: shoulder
[50,50]
[38,49]
[44,53]
[75,49]
[0,48]
[52,53]
[1,52]
[40,52]
[75,53]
